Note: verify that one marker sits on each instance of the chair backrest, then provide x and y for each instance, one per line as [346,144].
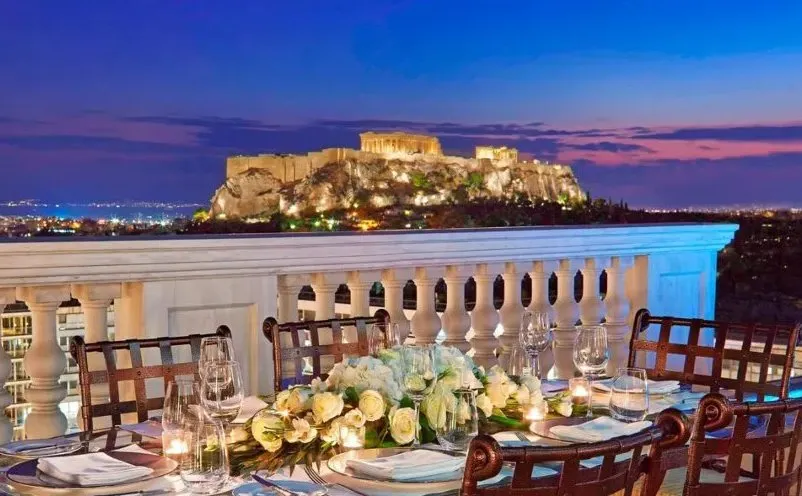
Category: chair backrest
[298,351]
[607,476]
[769,432]
[767,337]
[137,373]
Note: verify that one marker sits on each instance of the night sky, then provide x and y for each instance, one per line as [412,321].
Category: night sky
[659,103]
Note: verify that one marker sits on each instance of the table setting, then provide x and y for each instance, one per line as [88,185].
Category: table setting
[398,421]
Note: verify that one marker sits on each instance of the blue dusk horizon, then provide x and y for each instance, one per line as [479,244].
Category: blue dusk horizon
[662,105]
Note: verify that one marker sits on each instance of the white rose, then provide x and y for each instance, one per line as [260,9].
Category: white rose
[521,395]
[372,405]
[332,433]
[403,425]
[268,430]
[282,399]
[302,432]
[510,388]
[483,403]
[355,418]
[299,400]
[237,435]
[435,406]
[318,386]
[564,408]
[531,382]
[497,394]
[326,406]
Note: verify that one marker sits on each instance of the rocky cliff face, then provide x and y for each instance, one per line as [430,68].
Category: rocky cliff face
[384,182]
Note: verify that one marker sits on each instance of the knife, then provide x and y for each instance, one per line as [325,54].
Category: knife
[283,492]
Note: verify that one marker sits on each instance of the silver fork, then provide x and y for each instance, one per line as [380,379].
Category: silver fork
[317,479]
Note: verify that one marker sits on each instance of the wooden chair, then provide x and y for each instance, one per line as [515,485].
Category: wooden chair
[137,373]
[774,445]
[297,331]
[486,457]
[717,354]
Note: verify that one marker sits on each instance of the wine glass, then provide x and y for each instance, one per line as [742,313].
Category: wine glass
[462,424]
[535,336]
[180,402]
[591,354]
[204,468]
[518,363]
[215,349]
[419,375]
[221,391]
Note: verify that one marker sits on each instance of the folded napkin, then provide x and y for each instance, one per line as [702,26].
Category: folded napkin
[250,407]
[148,428]
[598,429]
[408,465]
[655,387]
[92,469]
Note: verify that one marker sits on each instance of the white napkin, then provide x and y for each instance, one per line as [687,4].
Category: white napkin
[598,429]
[148,428]
[92,469]
[655,387]
[408,465]
[250,407]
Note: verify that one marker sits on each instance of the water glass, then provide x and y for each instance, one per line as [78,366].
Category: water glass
[221,391]
[204,468]
[518,362]
[215,349]
[419,375]
[462,424]
[377,340]
[629,397]
[535,336]
[180,402]
[591,355]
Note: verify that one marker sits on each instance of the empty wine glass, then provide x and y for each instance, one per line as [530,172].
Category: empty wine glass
[591,354]
[518,363]
[180,402]
[204,468]
[221,391]
[535,336]
[215,349]
[462,424]
[419,375]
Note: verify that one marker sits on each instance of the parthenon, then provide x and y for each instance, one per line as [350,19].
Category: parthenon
[399,142]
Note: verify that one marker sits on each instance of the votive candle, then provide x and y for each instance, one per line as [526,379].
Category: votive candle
[580,390]
[174,444]
[352,437]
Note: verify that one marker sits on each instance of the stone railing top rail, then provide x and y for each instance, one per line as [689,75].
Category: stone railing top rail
[77,260]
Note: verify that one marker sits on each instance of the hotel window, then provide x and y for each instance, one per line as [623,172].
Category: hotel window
[62,318]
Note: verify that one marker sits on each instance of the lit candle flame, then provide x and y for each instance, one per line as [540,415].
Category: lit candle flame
[580,390]
[535,413]
[176,447]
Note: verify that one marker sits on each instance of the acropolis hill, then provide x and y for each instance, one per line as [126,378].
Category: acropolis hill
[390,169]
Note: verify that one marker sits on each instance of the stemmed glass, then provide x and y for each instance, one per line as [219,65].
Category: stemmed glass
[221,391]
[419,374]
[215,349]
[180,402]
[383,336]
[535,336]
[591,355]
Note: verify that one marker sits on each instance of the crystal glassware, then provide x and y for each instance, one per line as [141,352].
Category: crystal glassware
[462,424]
[180,402]
[221,390]
[377,339]
[518,362]
[215,349]
[419,375]
[629,395]
[535,336]
[204,468]
[591,355]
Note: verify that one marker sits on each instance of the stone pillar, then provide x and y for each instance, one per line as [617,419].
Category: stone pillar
[540,275]
[288,289]
[95,300]
[325,288]
[426,323]
[456,321]
[512,309]
[393,282]
[6,429]
[617,306]
[44,362]
[484,317]
[566,309]
[359,283]
[590,306]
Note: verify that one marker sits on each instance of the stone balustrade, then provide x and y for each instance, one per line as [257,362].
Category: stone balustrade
[182,285]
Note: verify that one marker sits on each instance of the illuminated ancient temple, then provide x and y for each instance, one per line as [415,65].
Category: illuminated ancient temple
[497,153]
[400,143]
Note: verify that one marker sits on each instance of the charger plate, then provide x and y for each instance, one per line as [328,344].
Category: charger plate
[26,478]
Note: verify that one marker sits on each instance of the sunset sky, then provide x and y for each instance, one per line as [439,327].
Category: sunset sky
[659,103]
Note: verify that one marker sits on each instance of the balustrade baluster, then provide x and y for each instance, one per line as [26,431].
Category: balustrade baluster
[426,323]
[590,306]
[456,321]
[44,362]
[512,309]
[288,289]
[616,317]
[359,284]
[484,317]
[95,300]
[325,286]
[7,296]
[393,282]
[540,276]
[566,309]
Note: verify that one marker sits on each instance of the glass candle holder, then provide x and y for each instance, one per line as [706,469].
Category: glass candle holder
[174,444]
[580,393]
[352,437]
[536,412]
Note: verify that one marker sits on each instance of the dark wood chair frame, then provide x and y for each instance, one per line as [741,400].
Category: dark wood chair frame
[692,351]
[486,457]
[773,449]
[273,331]
[137,373]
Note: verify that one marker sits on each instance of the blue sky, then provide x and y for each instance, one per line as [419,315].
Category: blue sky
[637,95]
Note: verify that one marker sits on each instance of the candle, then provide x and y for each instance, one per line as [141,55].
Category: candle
[174,445]
[352,437]
[537,412]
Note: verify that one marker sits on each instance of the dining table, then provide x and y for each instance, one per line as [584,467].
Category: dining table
[686,398]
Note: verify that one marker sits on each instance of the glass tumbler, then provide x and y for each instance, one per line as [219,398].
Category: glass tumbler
[629,396]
